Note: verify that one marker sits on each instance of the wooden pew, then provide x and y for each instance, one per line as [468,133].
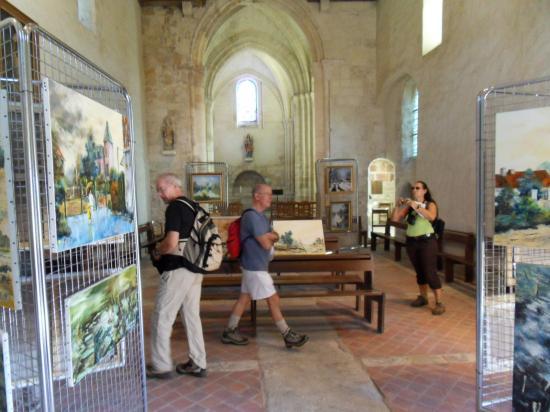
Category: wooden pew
[398,239]
[302,264]
[464,255]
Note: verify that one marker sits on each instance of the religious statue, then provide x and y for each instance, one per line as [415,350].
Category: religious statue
[168,134]
[248,147]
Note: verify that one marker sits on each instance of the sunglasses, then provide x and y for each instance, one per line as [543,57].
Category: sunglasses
[417,188]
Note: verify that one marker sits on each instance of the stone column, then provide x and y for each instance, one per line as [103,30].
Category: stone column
[304,147]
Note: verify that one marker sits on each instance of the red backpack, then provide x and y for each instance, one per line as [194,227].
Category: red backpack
[234,237]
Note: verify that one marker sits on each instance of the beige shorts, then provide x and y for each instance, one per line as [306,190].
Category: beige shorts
[258,284]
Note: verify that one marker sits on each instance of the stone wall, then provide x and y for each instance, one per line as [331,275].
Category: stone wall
[115,47]
[345,120]
[485,43]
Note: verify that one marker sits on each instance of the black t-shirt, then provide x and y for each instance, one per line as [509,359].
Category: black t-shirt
[178,218]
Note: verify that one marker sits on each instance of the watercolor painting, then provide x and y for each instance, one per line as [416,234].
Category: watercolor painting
[299,237]
[522,178]
[339,216]
[10,288]
[339,179]
[207,187]
[88,165]
[97,318]
[6,399]
[531,387]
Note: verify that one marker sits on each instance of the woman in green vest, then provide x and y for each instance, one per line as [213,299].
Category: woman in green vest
[419,213]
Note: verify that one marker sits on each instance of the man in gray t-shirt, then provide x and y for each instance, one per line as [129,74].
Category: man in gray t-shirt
[257,240]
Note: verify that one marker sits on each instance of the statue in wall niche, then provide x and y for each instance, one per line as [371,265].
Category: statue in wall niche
[168,134]
[248,147]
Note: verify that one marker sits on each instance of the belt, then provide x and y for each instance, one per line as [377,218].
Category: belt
[421,237]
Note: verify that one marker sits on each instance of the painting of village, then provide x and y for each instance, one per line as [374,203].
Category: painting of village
[531,387]
[97,318]
[6,401]
[522,178]
[10,293]
[299,237]
[91,194]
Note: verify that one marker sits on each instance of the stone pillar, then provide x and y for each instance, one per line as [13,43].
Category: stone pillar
[197,112]
[304,147]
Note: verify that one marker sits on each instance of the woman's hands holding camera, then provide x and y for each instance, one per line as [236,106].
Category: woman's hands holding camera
[410,203]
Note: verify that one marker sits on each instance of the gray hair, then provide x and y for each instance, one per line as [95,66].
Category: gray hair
[258,187]
[170,178]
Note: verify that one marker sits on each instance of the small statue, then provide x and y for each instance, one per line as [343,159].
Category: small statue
[168,135]
[248,147]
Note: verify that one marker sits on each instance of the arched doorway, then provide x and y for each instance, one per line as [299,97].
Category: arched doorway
[381,192]
[243,185]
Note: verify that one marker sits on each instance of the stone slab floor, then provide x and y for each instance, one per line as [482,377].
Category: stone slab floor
[420,363]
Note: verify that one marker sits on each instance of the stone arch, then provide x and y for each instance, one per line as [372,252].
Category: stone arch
[241,189]
[222,32]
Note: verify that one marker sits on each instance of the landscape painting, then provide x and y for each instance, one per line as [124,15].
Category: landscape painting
[299,237]
[339,216]
[6,399]
[88,164]
[339,179]
[207,187]
[522,178]
[531,387]
[10,288]
[97,318]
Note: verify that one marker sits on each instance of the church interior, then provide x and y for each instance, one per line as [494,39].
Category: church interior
[285,92]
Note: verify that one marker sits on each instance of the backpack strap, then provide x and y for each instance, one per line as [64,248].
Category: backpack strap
[190,206]
[250,209]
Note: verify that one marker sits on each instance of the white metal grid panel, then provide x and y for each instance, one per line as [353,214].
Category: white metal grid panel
[496,271]
[119,382]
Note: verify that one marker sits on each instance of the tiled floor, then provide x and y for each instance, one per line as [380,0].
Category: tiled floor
[420,363]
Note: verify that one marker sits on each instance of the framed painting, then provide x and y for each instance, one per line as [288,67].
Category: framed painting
[339,216]
[339,179]
[10,287]
[299,237]
[531,376]
[207,187]
[91,189]
[98,318]
[6,389]
[522,178]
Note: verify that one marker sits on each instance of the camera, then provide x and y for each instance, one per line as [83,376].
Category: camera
[411,217]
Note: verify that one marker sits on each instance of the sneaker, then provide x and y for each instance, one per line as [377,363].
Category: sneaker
[234,337]
[294,339]
[420,301]
[439,309]
[152,374]
[190,368]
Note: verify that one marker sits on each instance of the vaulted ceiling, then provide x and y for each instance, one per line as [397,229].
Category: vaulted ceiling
[202,3]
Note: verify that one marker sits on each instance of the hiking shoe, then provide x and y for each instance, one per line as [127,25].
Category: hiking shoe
[233,337]
[190,368]
[439,309]
[294,339]
[152,374]
[420,301]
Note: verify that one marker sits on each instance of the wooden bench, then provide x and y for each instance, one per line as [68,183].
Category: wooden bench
[398,239]
[463,255]
[148,237]
[340,263]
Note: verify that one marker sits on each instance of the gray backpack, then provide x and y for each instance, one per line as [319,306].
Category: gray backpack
[203,248]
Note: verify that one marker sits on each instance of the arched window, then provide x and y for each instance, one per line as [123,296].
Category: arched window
[248,102]
[409,119]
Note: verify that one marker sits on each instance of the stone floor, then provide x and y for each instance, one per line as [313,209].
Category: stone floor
[420,363]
